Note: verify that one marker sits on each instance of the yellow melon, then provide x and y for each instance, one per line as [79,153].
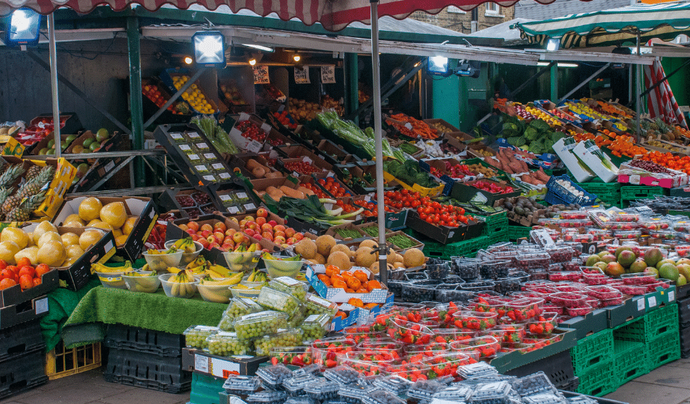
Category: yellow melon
[89,209]
[115,214]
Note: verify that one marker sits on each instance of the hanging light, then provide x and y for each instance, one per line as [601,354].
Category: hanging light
[438,66]
[188,60]
[552,45]
[209,48]
[296,58]
[252,62]
[24,28]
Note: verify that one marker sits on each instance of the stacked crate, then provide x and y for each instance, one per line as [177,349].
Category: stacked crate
[594,365]
[22,352]
[146,358]
[684,324]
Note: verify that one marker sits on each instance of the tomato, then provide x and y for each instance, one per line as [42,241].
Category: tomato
[23,262]
[7,283]
[26,282]
[8,274]
[41,269]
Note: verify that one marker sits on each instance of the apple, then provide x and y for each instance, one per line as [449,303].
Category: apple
[255,238]
[291,241]
[206,233]
[279,227]
[290,232]
[220,226]
[204,243]
[183,227]
[230,232]
[212,239]
[214,245]
[243,223]
[238,238]
[267,235]
[299,236]
[260,221]
[219,235]
[234,219]
[193,225]
[249,218]
[279,234]
[252,225]
[273,223]
[227,247]
[279,240]
[258,247]
[266,227]
[262,212]
[249,232]
[207,227]
[191,232]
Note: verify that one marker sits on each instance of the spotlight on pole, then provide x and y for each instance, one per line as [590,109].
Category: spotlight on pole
[209,49]
[24,28]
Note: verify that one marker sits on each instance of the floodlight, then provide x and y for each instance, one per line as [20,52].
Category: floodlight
[188,60]
[209,48]
[296,58]
[252,62]
[438,66]
[552,45]
[24,28]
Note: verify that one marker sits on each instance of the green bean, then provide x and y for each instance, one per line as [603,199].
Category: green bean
[401,241]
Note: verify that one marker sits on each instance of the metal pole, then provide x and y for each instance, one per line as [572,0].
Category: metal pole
[54,83]
[135,100]
[554,81]
[376,78]
[638,90]
[351,83]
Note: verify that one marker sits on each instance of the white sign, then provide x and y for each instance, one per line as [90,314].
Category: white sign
[302,75]
[261,75]
[328,74]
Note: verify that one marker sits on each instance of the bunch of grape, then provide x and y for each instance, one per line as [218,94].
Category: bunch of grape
[259,324]
[195,337]
[290,286]
[283,338]
[226,344]
[315,326]
[277,300]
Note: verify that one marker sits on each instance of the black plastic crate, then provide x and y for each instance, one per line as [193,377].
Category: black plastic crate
[559,369]
[147,371]
[22,373]
[142,340]
[20,339]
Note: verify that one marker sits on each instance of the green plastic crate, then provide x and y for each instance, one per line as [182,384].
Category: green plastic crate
[205,389]
[633,192]
[599,380]
[651,325]
[467,248]
[630,360]
[517,232]
[591,351]
[498,236]
[663,349]
[495,223]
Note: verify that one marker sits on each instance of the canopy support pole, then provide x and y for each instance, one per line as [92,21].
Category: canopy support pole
[135,96]
[351,83]
[585,81]
[522,87]
[54,84]
[554,81]
[638,90]
[376,70]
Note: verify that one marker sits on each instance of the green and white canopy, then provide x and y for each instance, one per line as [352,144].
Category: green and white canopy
[611,27]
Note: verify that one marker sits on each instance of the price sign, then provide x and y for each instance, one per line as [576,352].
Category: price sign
[328,74]
[261,75]
[254,146]
[302,75]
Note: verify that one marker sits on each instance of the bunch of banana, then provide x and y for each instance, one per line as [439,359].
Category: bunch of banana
[219,272]
[257,276]
[218,290]
[229,281]
[146,283]
[286,266]
[98,267]
[243,259]
[183,284]
[171,250]
[199,266]
[185,244]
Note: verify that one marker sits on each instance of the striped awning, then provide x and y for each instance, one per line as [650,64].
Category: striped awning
[612,27]
[334,15]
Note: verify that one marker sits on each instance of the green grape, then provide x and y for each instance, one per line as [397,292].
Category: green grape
[315,326]
[283,338]
[237,308]
[277,300]
[317,305]
[259,324]
[195,337]
[290,286]
[226,344]
[296,319]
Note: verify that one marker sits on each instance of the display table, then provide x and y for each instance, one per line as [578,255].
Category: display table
[152,311]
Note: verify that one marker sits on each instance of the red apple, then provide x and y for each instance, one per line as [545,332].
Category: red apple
[212,239]
[207,227]
[290,232]
[249,218]
[279,234]
[260,220]
[183,227]
[238,238]
[204,243]
[249,232]
[279,227]
[258,247]
[273,223]
[279,239]
[220,226]
[230,232]
[299,236]
[291,241]
[243,223]
[267,234]
[206,233]
[266,227]
[219,235]
[234,219]
[193,225]
[227,247]
[191,231]
[262,212]
[214,245]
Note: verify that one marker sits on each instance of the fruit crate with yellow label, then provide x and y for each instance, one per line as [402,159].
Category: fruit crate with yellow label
[194,96]
[62,362]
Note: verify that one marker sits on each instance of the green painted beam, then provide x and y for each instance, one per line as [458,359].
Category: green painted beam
[136,102]
[554,82]
[447,98]
[351,83]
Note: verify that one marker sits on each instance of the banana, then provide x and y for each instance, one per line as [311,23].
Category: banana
[252,276]
[199,265]
[174,270]
[175,291]
[189,247]
[145,267]
[220,270]
[240,286]
[252,247]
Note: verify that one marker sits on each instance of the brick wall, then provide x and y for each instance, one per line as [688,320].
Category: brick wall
[461,22]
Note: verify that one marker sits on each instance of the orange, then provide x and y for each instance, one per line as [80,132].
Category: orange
[370,306]
[356,302]
[374,284]
[361,276]
[339,284]
[353,283]
[341,314]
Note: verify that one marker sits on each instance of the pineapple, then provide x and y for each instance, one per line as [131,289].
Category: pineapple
[34,185]
[4,193]
[11,174]
[22,213]
[11,203]
[32,173]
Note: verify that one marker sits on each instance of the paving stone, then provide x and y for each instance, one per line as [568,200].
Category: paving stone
[645,393]
[71,393]
[146,396]
[666,376]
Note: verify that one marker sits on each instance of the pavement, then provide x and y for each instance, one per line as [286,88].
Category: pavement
[669,384]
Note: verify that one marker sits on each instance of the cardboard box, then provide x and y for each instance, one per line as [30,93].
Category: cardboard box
[448,127]
[339,295]
[242,142]
[64,175]
[143,208]
[261,185]
[11,147]
[594,163]
[23,312]
[565,153]
[334,154]
[220,366]
[338,323]
[464,191]
[423,191]
[319,163]
[14,295]
[109,145]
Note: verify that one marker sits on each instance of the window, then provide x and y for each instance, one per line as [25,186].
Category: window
[492,9]
[455,10]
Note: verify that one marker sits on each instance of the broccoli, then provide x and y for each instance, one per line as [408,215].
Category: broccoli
[531,133]
[540,126]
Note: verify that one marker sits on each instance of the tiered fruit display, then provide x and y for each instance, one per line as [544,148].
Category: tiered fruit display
[251,131]
[232,93]
[194,96]
[324,250]
[24,273]
[429,211]
[45,245]
[18,206]
[111,217]
[92,143]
